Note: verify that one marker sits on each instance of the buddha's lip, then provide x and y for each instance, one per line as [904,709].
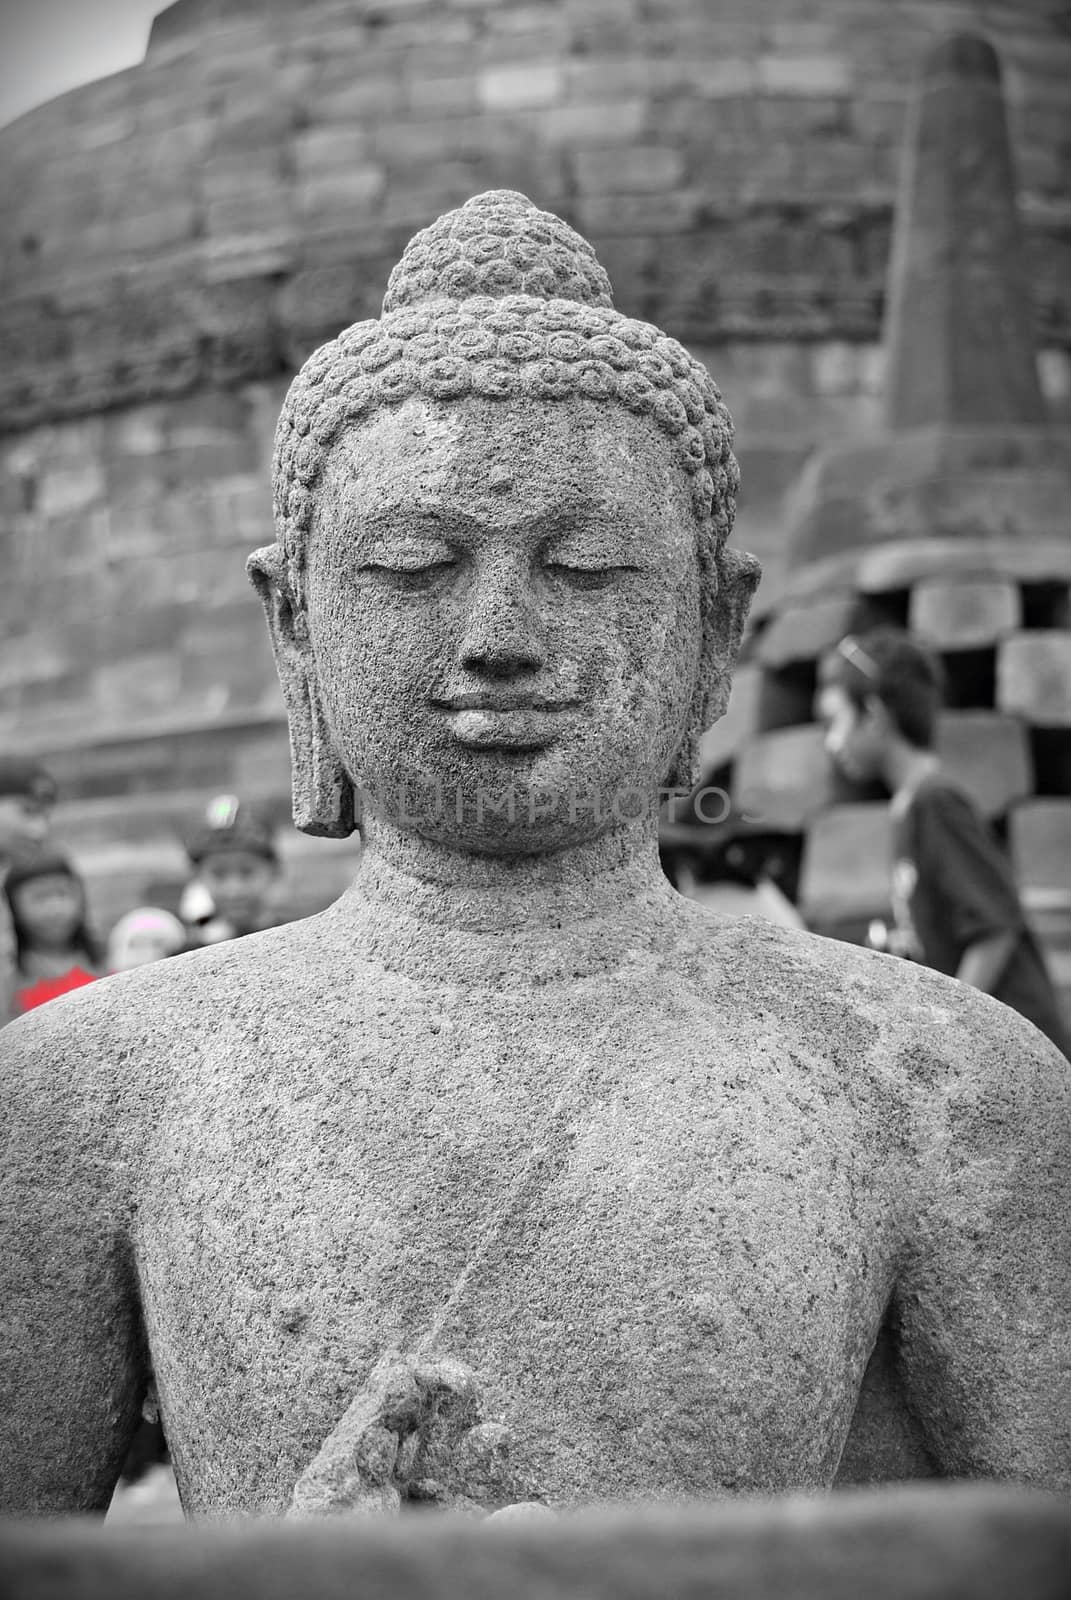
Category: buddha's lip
[517,727]
[482,701]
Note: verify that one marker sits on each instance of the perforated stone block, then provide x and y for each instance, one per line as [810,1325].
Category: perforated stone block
[847,860]
[989,754]
[784,777]
[1034,677]
[1039,834]
[803,632]
[963,613]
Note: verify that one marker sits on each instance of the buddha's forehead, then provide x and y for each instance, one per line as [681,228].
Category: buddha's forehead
[505,460]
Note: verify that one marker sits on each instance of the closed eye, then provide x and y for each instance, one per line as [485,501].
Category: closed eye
[408,575]
[586,577]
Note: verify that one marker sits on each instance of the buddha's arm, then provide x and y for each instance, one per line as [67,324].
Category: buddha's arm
[71,1369]
[984,1303]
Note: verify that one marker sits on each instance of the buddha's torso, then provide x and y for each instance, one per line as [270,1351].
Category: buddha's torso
[659,1223]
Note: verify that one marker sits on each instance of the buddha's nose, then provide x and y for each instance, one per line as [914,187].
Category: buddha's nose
[504,632]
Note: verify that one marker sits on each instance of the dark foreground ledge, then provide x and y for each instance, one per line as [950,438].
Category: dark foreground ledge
[952,1542]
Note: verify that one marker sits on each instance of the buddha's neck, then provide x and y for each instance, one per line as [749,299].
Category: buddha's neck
[423,908]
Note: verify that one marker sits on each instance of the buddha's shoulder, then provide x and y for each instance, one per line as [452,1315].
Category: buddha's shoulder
[837,997]
[165,1007]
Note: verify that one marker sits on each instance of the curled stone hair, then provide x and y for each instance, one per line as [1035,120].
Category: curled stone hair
[500,300]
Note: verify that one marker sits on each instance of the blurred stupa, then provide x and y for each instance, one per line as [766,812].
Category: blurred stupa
[953,521]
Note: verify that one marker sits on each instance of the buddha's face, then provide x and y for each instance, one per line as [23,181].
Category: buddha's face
[504,617]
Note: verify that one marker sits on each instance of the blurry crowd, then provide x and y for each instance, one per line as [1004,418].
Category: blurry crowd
[48,944]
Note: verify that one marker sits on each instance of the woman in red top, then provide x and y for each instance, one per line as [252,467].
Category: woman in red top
[55,951]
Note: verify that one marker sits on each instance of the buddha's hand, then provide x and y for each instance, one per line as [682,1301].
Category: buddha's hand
[415,1432]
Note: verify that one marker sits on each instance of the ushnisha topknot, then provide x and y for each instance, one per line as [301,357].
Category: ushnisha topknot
[499,299]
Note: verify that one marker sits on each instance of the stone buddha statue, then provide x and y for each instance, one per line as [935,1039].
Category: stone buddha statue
[514,1177]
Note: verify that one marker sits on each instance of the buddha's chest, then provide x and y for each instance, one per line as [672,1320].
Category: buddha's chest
[630,1234]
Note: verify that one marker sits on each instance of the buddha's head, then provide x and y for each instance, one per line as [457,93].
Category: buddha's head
[501,600]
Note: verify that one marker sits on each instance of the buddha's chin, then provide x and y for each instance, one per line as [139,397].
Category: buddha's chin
[506,802]
[519,837]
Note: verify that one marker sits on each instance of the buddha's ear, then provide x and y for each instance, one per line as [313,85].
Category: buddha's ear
[738,578]
[322,791]
[731,581]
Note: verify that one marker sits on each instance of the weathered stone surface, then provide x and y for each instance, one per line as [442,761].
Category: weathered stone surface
[847,862]
[1034,677]
[928,1544]
[963,613]
[466,1115]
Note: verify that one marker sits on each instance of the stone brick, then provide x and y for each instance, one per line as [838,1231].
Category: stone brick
[223,177]
[823,74]
[674,211]
[137,686]
[339,191]
[132,527]
[1039,837]
[439,94]
[319,148]
[583,124]
[740,723]
[69,487]
[138,432]
[1054,375]
[254,217]
[167,224]
[804,632]
[638,170]
[963,613]
[989,755]
[357,99]
[43,655]
[74,543]
[784,778]
[724,77]
[504,88]
[263,764]
[415,148]
[1034,677]
[847,861]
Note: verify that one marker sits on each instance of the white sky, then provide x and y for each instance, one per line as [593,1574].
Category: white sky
[50,46]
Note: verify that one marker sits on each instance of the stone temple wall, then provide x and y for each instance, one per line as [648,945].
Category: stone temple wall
[180,236]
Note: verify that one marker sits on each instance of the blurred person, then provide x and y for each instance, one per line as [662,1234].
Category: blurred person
[236,867]
[954,898]
[27,795]
[54,948]
[144,935]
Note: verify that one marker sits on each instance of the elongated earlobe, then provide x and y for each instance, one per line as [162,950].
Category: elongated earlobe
[322,791]
[726,602]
